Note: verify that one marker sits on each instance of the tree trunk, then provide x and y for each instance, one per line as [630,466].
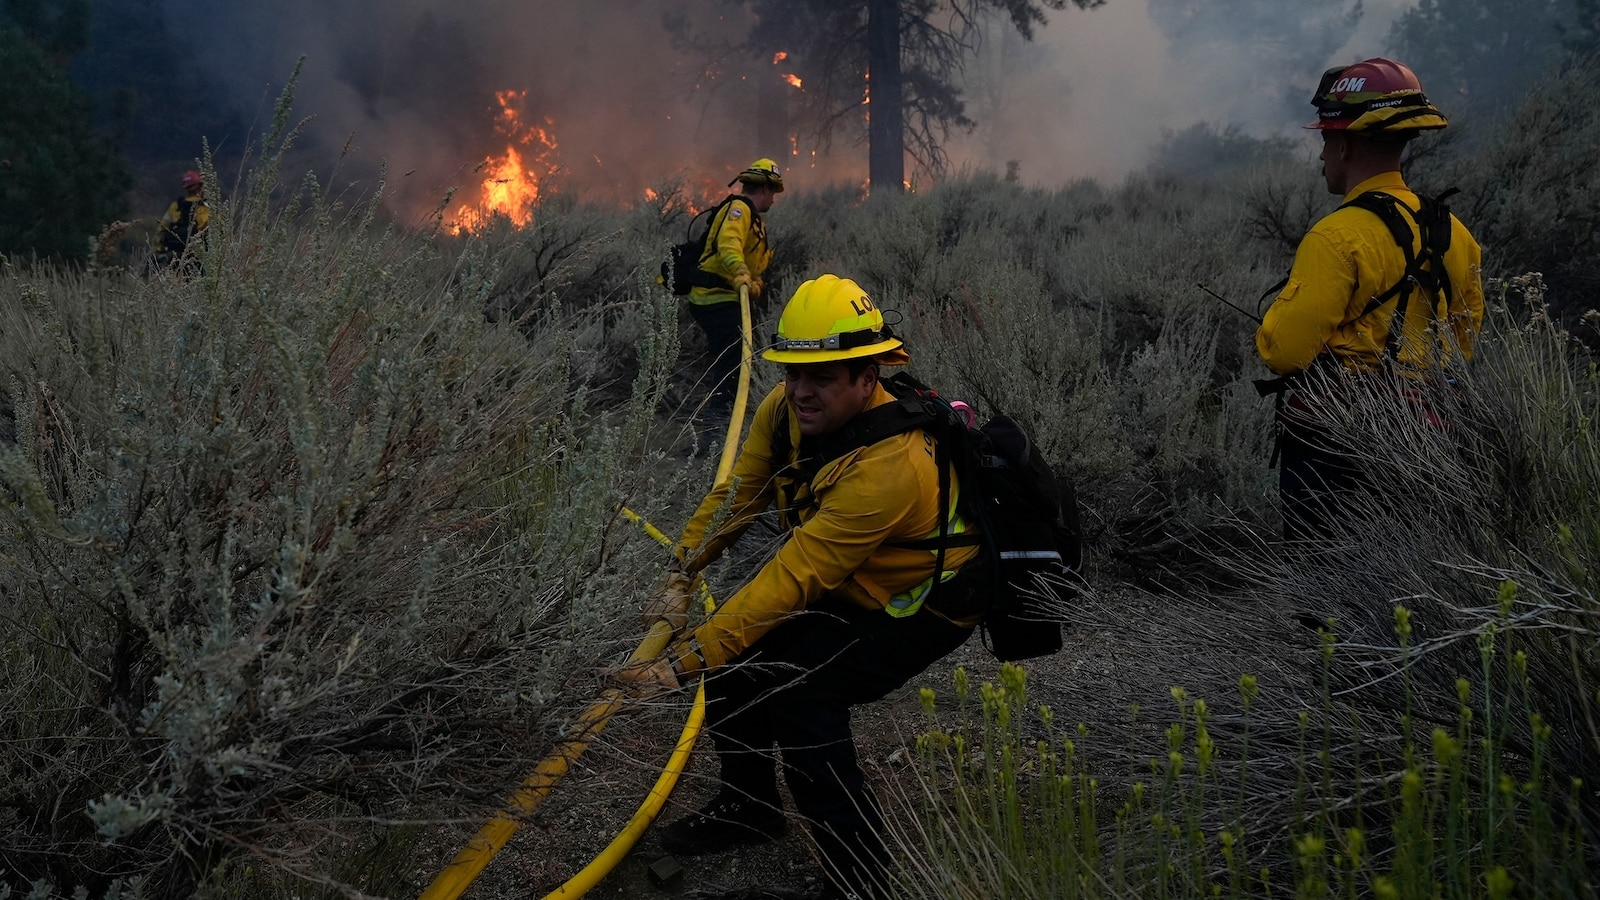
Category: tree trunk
[886,164]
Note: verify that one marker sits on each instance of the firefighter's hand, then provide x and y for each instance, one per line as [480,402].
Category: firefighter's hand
[672,604]
[742,279]
[756,287]
[647,678]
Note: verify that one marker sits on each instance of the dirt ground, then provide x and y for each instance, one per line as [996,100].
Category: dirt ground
[1114,675]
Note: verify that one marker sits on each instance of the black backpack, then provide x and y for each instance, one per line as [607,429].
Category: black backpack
[1027,517]
[175,236]
[682,271]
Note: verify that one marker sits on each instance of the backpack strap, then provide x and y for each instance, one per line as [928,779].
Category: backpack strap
[909,410]
[913,408]
[1424,266]
[868,428]
[718,219]
[712,213]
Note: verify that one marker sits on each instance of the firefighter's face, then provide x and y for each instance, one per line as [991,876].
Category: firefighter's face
[1334,159]
[824,397]
[760,196]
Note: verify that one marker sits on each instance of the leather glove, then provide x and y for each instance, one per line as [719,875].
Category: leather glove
[741,277]
[672,604]
[647,678]
[756,287]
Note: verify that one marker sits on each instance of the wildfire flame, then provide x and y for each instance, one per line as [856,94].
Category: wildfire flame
[780,56]
[510,186]
[792,78]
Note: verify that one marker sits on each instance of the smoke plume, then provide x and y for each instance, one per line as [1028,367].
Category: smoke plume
[598,102]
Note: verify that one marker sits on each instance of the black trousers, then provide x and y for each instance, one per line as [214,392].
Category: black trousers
[724,332]
[793,690]
[1316,477]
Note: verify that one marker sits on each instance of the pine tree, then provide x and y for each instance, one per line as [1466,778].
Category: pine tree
[60,183]
[886,72]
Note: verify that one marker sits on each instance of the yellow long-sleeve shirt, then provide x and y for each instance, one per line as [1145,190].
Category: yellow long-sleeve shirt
[888,491]
[738,238]
[1350,257]
[179,225]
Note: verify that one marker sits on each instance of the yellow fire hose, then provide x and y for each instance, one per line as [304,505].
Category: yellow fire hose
[493,836]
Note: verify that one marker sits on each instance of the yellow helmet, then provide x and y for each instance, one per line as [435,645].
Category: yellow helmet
[762,171]
[831,318]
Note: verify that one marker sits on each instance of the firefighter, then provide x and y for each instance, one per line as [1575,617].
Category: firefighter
[736,255]
[837,617]
[185,220]
[1385,287]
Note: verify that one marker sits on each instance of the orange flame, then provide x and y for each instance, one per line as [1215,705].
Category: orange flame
[792,78]
[780,56]
[510,187]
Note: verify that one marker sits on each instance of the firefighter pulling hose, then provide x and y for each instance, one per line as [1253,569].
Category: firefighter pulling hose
[726,253]
[885,568]
[813,633]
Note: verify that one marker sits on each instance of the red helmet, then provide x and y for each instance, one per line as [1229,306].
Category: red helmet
[191,179]
[1374,96]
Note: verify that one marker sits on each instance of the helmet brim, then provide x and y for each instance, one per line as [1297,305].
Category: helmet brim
[777,186]
[887,350]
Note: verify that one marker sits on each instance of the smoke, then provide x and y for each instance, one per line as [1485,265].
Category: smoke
[1098,90]
[411,85]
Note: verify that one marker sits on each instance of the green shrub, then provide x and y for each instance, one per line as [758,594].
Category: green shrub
[1011,808]
[302,554]
[297,550]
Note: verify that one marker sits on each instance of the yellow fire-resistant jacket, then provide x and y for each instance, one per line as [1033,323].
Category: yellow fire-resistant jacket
[737,235]
[1350,257]
[888,491]
[175,233]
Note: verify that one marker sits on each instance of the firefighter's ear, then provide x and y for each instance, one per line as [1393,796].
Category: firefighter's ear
[869,376]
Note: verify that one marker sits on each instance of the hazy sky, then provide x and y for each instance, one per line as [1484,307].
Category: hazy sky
[414,82]
[1110,82]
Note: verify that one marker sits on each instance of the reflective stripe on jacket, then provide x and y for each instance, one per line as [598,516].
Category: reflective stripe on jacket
[737,234]
[888,491]
[1350,257]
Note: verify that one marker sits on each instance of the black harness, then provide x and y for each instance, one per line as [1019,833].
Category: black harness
[176,236]
[906,412]
[1424,268]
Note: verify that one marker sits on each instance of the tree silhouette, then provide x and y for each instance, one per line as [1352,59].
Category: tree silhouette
[1481,57]
[884,72]
[59,181]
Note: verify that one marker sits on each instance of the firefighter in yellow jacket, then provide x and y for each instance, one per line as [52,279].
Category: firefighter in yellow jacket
[840,616]
[184,223]
[1386,286]
[736,255]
